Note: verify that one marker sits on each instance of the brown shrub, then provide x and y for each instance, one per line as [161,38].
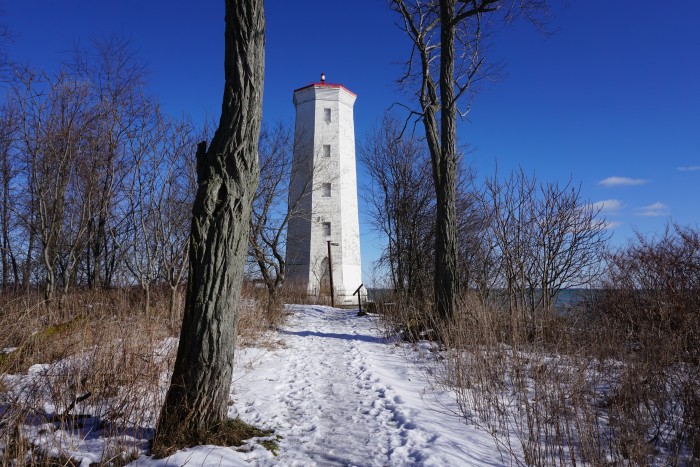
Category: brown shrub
[613,381]
[650,301]
[104,367]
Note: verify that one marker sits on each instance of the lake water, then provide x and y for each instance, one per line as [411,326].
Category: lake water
[566,298]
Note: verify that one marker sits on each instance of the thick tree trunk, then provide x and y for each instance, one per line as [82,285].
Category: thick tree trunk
[446,276]
[196,402]
[271,299]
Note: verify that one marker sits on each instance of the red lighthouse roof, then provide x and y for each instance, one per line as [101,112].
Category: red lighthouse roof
[323,84]
[326,85]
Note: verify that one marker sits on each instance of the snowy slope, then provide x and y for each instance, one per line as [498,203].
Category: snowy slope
[339,394]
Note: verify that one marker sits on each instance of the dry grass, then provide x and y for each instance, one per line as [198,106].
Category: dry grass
[574,391]
[96,369]
[301,296]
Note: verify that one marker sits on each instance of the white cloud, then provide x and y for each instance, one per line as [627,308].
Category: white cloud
[621,181]
[611,225]
[653,210]
[607,206]
[689,168]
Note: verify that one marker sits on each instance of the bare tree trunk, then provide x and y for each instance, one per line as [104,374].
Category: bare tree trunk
[460,23]
[196,402]
[6,176]
[446,276]
[99,245]
[146,289]
[27,269]
[50,287]
[402,206]
[172,304]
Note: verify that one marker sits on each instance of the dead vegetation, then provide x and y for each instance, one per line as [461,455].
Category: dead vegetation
[96,369]
[612,381]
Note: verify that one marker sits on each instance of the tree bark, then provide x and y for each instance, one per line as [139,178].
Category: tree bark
[196,402]
[446,276]
[460,24]
[27,267]
[6,248]
[441,140]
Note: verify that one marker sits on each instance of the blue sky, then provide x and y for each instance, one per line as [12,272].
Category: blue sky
[611,99]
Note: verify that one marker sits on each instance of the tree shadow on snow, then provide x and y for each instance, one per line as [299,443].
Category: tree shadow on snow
[330,335]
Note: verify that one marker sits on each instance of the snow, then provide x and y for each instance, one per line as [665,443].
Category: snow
[336,392]
[339,393]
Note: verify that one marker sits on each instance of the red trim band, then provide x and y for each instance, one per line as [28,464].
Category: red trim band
[326,85]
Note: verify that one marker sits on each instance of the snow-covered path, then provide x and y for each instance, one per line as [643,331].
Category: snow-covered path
[339,394]
[333,404]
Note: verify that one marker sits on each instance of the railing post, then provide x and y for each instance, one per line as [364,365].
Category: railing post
[359,297]
[330,273]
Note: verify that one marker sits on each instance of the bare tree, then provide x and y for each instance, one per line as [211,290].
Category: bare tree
[24,204]
[8,176]
[144,197]
[647,301]
[5,61]
[544,237]
[275,207]
[272,208]
[56,119]
[446,58]
[159,193]
[176,192]
[227,173]
[402,204]
[651,290]
[471,232]
[78,148]
[116,82]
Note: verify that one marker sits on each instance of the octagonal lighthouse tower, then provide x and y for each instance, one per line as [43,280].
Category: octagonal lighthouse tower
[323,236]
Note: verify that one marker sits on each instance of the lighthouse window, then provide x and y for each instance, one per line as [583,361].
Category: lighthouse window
[327,115]
[327,229]
[326,150]
[327,189]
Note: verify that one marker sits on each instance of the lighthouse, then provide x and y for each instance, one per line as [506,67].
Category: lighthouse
[323,236]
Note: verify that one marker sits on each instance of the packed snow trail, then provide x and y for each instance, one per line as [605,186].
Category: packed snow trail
[332,403]
[339,394]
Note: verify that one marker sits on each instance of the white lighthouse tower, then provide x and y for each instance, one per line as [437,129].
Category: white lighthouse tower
[323,237]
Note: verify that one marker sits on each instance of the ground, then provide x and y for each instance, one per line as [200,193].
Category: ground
[335,389]
[339,394]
